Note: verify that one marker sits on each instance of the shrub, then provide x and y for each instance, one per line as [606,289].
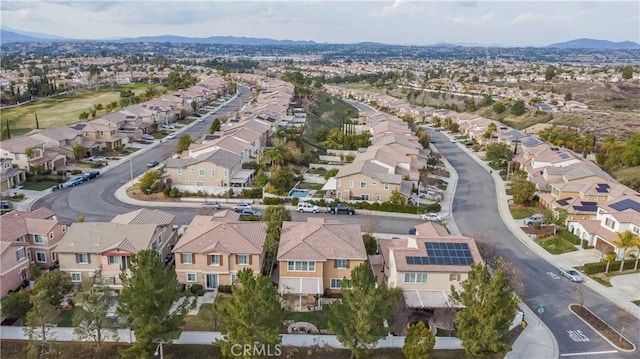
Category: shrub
[295,201]
[197,289]
[175,193]
[76,172]
[166,191]
[600,267]
[224,289]
[97,164]
[251,193]
[273,201]
[564,234]
[60,172]
[585,244]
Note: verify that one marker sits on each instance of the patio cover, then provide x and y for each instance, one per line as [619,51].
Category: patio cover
[242,176]
[312,285]
[331,185]
[429,299]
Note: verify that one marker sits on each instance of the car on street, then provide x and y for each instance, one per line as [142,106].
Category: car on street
[536,218]
[241,207]
[250,213]
[97,159]
[432,217]
[171,136]
[201,119]
[74,181]
[91,175]
[211,205]
[307,207]
[341,208]
[152,164]
[572,274]
[148,137]
[453,140]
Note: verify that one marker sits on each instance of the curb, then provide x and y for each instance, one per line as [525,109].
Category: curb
[600,334]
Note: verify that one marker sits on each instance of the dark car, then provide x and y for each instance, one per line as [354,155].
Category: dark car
[6,206]
[91,175]
[74,181]
[151,164]
[341,208]
[250,213]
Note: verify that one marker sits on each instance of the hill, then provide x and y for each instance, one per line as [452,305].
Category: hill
[7,36]
[221,40]
[595,44]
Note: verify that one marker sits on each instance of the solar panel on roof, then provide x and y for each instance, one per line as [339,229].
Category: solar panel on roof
[589,203]
[444,254]
[602,190]
[564,156]
[626,204]
[586,208]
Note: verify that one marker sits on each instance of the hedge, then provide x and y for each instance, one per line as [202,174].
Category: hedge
[600,267]
[224,289]
[197,289]
[273,201]
[565,234]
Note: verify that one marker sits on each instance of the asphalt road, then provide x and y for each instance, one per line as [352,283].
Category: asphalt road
[475,212]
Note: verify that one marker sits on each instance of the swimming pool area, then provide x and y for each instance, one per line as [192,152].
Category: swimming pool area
[300,193]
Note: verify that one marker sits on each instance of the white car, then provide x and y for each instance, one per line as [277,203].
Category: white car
[168,127]
[433,217]
[307,207]
[572,274]
[242,206]
[453,140]
[171,136]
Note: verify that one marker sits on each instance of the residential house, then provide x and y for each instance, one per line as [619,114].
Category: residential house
[62,139]
[27,237]
[581,199]
[105,248]
[316,256]
[164,222]
[125,122]
[427,264]
[10,176]
[214,248]
[105,136]
[16,149]
[367,181]
[152,115]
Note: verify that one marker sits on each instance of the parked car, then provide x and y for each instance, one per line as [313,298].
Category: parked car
[572,275]
[211,205]
[148,137]
[152,164]
[91,175]
[341,208]
[412,230]
[453,140]
[201,119]
[469,143]
[433,217]
[74,181]
[168,127]
[6,206]
[536,218]
[241,207]
[250,213]
[307,207]
[97,159]
[171,136]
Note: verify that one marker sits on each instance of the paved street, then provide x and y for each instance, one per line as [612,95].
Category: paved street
[475,212]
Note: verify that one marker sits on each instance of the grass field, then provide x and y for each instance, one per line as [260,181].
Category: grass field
[38,186]
[557,245]
[317,317]
[61,110]
[520,213]
[363,87]
[327,111]
[65,318]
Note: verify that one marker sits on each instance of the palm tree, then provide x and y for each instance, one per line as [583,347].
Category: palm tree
[609,257]
[625,241]
[276,154]
[30,152]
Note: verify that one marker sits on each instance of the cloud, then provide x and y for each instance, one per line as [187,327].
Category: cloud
[397,7]
[17,5]
[472,20]
[527,17]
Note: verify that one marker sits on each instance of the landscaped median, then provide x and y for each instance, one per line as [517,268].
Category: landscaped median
[603,329]
[601,272]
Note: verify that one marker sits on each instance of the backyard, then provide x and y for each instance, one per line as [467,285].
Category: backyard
[61,110]
[315,317]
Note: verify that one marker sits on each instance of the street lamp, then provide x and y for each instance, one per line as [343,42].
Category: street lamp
[159,353]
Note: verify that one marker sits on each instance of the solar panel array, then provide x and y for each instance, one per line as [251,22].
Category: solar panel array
[564,156]
[444,254]
[602,188]
[626,204]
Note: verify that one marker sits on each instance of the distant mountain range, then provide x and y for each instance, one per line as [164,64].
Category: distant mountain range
[8,35]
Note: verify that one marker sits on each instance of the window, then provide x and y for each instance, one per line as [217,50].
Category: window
[243,259]
[342,263]
[339,183]
[54,257]
[386,186]
[20,239]
[199,184]
[339,195]
[38,239]
[378,198]
[365,197]
[76,277]
[41,257]
[202,172]
[363,184]
[187,258]
[64,229]
[179,171]
[636,230]
[83,258]
[350,184]
[50,235]
[234,278]
[21,253]
[191,277]
[214,260]
[213,173]
[610,223]
[226,173]
[336,283]
[454,277]
[415,277]
[301,266]
[114,259]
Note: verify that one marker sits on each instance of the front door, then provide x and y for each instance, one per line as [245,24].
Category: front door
[211,281]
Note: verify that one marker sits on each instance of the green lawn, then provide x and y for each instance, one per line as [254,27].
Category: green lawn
[65,318]
[556,245]
[204,320]
[312,186]
[520,213]
[38,186]
[316,317]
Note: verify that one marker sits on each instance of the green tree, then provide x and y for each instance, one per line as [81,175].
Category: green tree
[518,108]
[274,216]
[16,305]
[90,320]
[55,285]
[30,152]
[276,154]
[568,96]
[260,179]
[331,173]
[550,73]
[39,325]
[397,198]
[419,342]
[281,178]
[79,151]
[148,180]
[370,243]
[358,319]
[557,217]
[215,126]
[490,305]
[631,155]
[194,106]
[498,155]
[145,301]
[522,190]
[625,241]
[627,72]
[499,108]
[253,315]
[183,143]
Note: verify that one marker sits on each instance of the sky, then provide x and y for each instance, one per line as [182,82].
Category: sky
[516,22]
